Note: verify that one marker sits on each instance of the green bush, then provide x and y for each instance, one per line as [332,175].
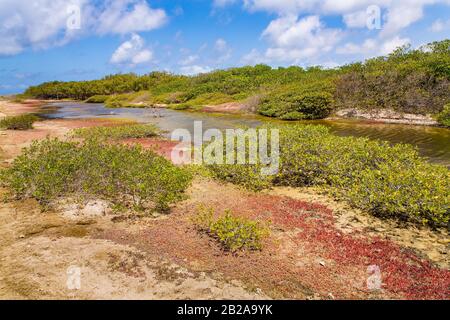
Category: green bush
[444,117]
[294,115]
[388,181]
[118,132]
[419,193]
[181,106]
[233,233]
[97,99]
[22,122]
[127,176]
[246,175]
[293,105]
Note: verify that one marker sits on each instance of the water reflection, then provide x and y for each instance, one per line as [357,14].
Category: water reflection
[433,143]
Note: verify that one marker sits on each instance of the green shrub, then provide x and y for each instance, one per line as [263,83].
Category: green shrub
[388,181]
[124,175]
[444,117]
[246,175]
[294,105]
[212,99]
[113,102]
[119,132]
[233,233]
[22,122]
[97,99]
[294,115]
[418,194]
[181,106]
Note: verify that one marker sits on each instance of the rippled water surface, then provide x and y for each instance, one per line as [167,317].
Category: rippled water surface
[433,143]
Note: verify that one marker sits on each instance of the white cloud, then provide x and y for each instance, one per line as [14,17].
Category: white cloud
[38,24]
[194,69]
[440,25]
[293,39]
[132,52]
[220,45]
[189,60]
[129,16]
[373,47]
[41,24]
[254,57]
[356,19]
[368,46]
[223,50]
[399,14]
[390,45]
[223,3]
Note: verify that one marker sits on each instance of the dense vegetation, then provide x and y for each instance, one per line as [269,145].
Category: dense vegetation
[232,232]
[444,116]
[388,181]
[22,122]
[128,177]
[408,80]
[118,132]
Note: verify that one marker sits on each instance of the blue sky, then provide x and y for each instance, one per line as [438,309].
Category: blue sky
[45,40]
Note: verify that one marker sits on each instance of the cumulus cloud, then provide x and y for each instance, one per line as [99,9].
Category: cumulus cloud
[292,39]
[390,45]
[440,25]
[222,50]
[121,16]
[38,24]
[398,14]
[189,60]
[373,47]
[42,24]
[356,19]
[132,52]
[194,69]
[223,3]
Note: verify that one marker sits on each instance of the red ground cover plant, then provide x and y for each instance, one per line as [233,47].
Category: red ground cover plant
[306,256]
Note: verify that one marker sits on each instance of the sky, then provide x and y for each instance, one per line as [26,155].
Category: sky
[71,40]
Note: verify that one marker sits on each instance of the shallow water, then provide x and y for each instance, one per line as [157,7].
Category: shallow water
[432,142]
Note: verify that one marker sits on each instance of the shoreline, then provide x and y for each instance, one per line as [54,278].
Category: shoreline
[386,116]
[382,116]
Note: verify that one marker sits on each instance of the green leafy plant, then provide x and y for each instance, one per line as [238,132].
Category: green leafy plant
[444,116]
[22,122]
[127,176]
[97,99]
[388,181]
[234,233]
[118,132]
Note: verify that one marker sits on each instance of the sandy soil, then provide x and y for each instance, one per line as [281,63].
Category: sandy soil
[434,245]
[39,249]
[230,107]
[318,248]
[387,116]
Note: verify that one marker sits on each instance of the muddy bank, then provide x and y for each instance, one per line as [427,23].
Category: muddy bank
[11,108]
[385,116]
